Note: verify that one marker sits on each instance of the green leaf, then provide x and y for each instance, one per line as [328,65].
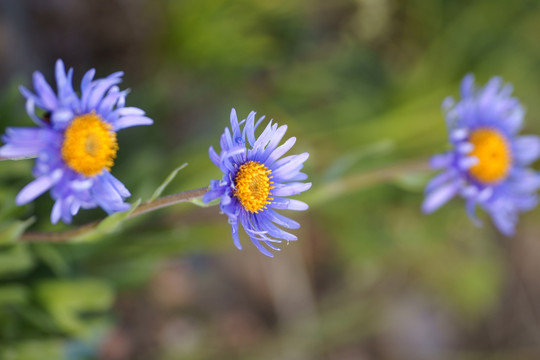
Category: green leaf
[68,300]
[9,233]
[165,183]
[199,202]
[107,226]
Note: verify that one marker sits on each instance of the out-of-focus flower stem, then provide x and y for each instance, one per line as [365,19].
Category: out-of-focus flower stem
[339,187]
[156,204]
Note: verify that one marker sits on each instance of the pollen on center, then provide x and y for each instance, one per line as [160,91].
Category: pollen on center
[253,185]
[494,155]
[89,145]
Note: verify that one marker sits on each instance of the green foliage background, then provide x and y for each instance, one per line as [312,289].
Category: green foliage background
[359,83]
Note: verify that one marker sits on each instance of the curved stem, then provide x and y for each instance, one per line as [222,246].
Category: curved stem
[141,209]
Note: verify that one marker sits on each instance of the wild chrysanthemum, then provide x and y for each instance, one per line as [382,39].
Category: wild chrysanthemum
[75,142]
[256,181]
[488,162]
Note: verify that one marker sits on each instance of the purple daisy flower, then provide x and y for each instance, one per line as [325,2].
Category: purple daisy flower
[75,142]
[488,164]
[256,181]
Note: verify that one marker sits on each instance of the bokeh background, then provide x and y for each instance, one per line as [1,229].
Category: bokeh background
[359,82]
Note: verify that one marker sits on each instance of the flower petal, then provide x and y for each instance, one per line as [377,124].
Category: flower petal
[438,197]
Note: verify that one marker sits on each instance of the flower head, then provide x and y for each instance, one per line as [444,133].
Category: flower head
[74,142]
[256,181]
[488,164]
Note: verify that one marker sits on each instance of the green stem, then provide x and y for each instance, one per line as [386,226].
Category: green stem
[141,209]
[358,181]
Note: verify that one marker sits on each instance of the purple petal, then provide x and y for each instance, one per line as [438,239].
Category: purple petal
[280,151]
[291,189]
[129,121]
[87,80]
[92,99]
[116,184]
[290,168]
[249,129]
[281,220]
[288,204]
[234,233]
[276,138]
[467,86]
[56,212]
[46,94]
[264,138]
[439,180]
[275,231]
[34,189]
[526,149]
[505,222]
[438,197]
[440,161]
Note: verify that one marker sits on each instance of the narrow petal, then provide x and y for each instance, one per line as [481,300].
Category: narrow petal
[92,99]
[526,149]
[63,82]
[234,233]
[438,197]
[86,81]
[34,189]
[280,151]
[214,157]
[264,138]
[440,161]
[288,204]
[467,86]
[505,222]
[289,168]
[30,110]
[30,96]
[291,189]
[274,231]
[246,225]
[56,212]
[249,129]
[281,220]
[280,132]
[46,94]
[439,180]
[116,184]
[129,121]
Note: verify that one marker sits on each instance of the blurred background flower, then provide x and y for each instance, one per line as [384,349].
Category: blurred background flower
[488,164]
[361,81]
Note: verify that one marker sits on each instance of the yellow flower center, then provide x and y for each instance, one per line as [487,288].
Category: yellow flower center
[493,153]
[89,145]
[253,186]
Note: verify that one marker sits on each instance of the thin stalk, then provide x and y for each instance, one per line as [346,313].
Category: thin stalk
[141,209]
[336,188]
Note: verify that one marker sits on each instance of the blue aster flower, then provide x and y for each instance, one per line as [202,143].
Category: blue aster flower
[488,164]
[257,181]
[74,142]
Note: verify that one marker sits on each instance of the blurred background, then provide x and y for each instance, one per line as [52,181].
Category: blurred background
[360,83]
